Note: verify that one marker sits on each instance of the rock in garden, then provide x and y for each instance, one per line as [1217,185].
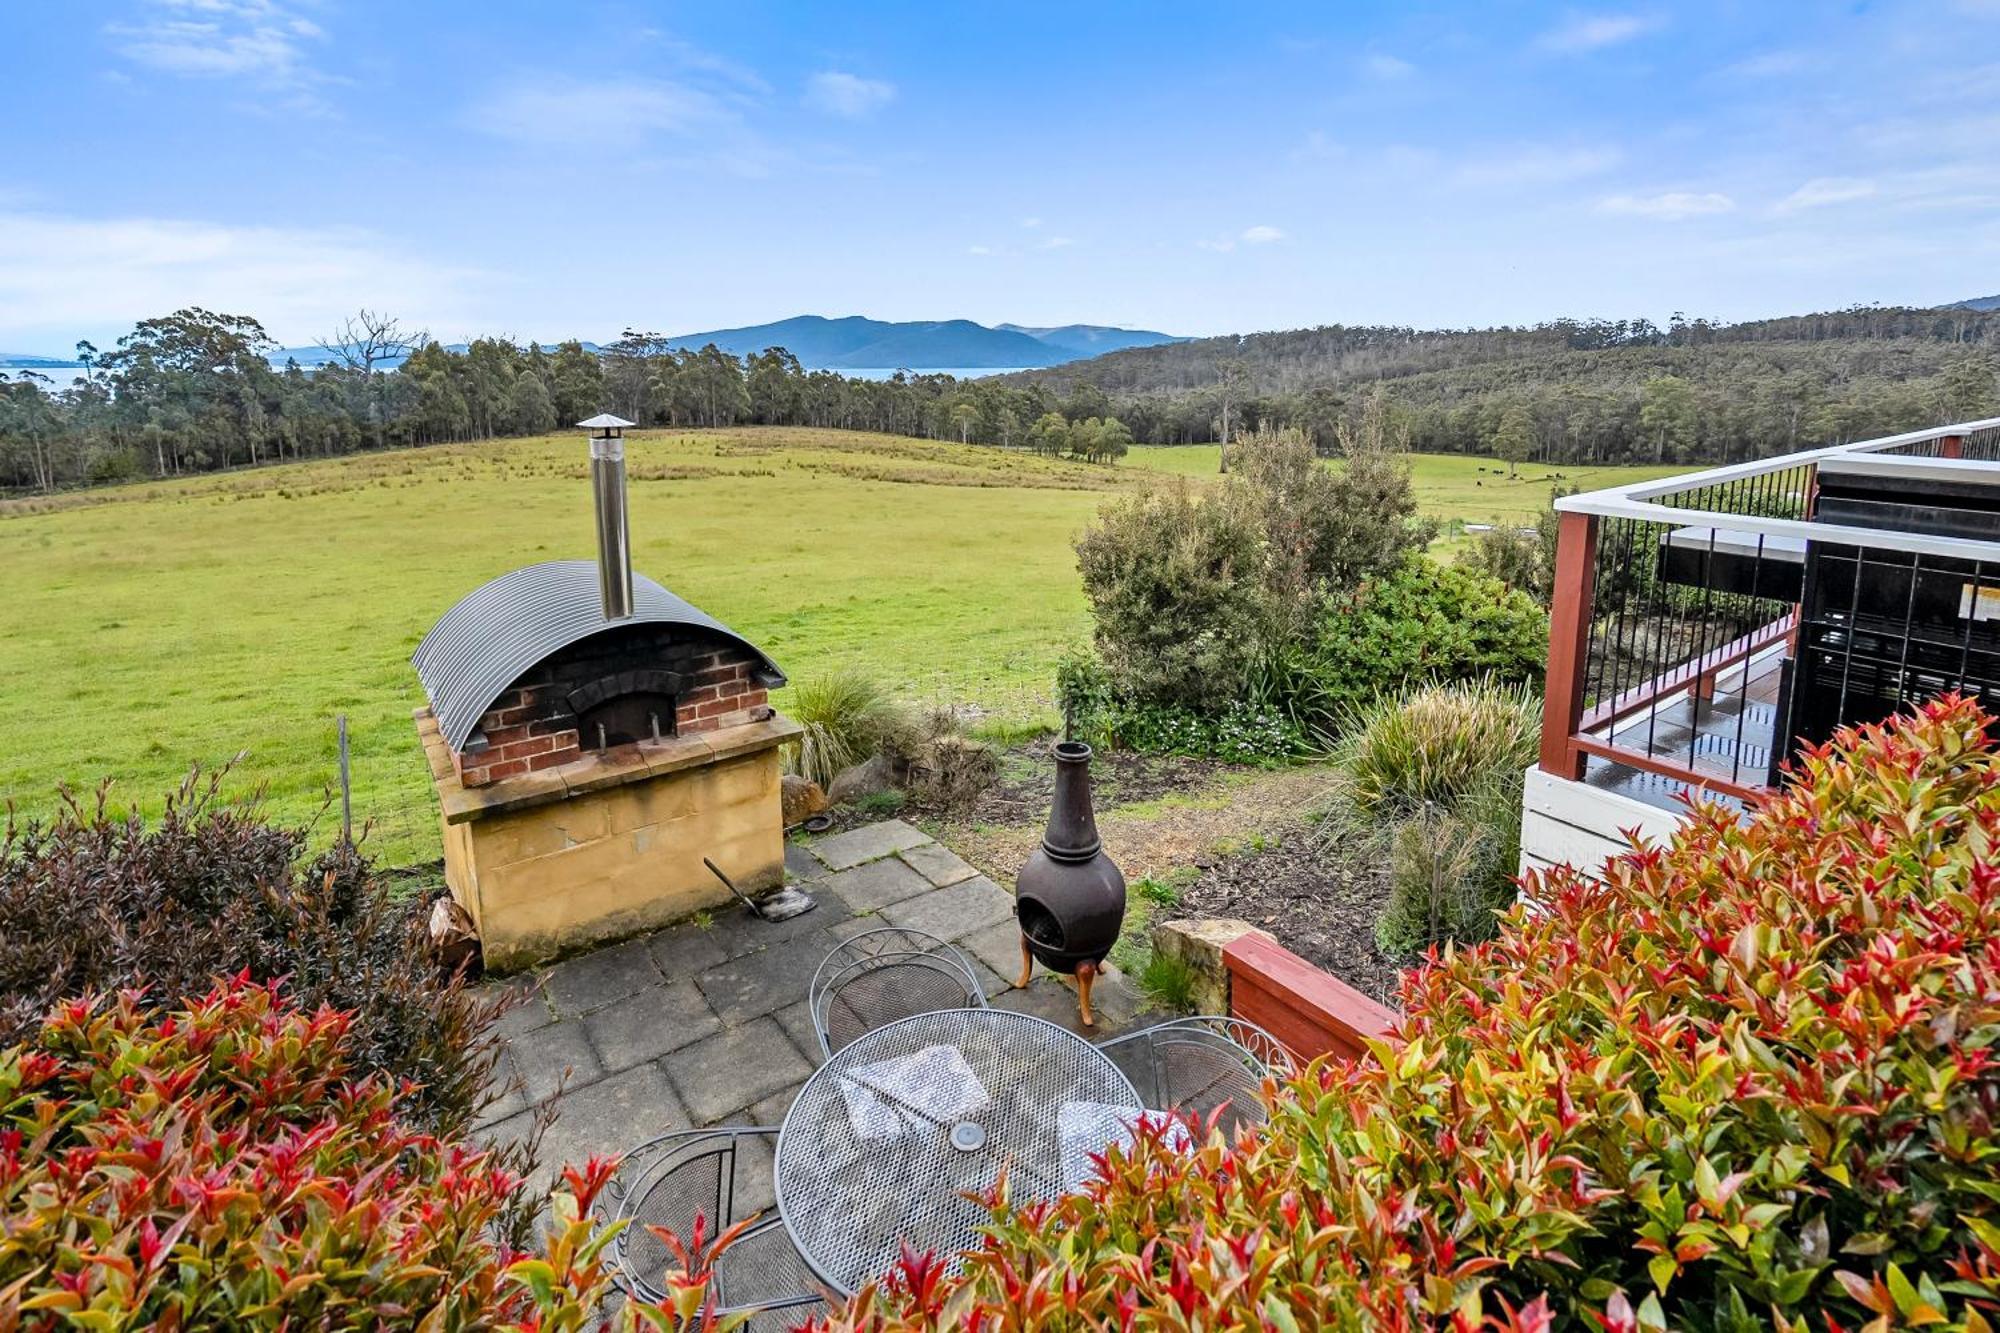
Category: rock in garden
[454,942]
[801,798]
[863,779]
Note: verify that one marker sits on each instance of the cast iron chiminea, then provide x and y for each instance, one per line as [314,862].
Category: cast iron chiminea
[1070,898]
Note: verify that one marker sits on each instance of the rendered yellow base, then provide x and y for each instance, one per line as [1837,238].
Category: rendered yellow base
[557,861]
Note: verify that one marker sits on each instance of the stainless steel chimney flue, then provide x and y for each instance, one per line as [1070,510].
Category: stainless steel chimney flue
[607,488]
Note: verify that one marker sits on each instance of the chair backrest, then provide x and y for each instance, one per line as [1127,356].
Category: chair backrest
[1191,1066]
[721,1176]
[880,976]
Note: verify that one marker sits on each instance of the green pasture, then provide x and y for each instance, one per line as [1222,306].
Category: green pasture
[151,627]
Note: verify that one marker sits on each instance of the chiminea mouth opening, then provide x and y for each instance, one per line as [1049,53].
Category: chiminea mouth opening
[1039,924]
[1072,751]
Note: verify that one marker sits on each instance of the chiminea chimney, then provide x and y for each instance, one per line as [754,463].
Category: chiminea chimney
[607,489]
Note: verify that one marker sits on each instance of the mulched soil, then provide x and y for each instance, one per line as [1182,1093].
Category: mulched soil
[1314,901]
[1027,783]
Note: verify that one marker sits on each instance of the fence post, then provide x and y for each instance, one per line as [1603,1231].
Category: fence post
[1570,604]
[346,788]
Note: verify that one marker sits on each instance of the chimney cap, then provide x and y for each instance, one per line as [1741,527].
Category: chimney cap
[605,421]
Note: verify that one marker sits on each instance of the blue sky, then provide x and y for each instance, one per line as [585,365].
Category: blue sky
[552,170]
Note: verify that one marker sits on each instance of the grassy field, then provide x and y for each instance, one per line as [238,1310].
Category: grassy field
[151,627]
[1449,486]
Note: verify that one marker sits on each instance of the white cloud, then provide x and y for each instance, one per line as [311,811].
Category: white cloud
[1672,206]
[617,114]
[1826,190]
[110,272]
[979,249]
[1593,32]
[1535,164]
[1259,235]
[1770,65]
[219,39]
[1057,243]
[847,95]
[1317,147]
[1382,65]
[1031,223]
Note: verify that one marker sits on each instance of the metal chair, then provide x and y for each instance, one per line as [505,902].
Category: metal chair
[723,1176]
[1191,1066]
[880,976]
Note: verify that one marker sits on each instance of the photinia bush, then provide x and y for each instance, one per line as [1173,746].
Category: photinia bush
[217,1167]
[1746,1081]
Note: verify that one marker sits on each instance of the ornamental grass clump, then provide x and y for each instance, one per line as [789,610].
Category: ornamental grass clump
[847,717]
[1748,1079]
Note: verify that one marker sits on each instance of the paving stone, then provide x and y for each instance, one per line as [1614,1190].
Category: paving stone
[509,1098]
[800,863]
[613,1115]
[876,885]
[998,946]
[683,950]
[870,842]
[763,982]
[650,1023]
[955,912]
[529,1009]
[1052,998]
[937,863]
[737,1067]
[756,933]
[857,924]
[796,1020]
[541,1057]
[593,980]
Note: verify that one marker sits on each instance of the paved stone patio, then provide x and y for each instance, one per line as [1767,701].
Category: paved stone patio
[705,1023]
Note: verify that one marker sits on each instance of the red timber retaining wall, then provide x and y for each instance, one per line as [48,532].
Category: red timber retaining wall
[1310,1011]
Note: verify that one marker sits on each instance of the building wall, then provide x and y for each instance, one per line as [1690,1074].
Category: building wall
[1564,822]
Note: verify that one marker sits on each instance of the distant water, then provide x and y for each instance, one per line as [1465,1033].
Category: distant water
[959,372]
[59,377]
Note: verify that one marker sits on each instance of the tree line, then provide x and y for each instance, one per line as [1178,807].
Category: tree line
[195,391]
[1570,391]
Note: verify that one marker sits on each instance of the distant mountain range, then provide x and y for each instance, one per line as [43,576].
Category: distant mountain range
[858,343]
[1977,303]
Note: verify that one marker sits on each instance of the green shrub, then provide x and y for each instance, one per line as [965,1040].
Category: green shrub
[94,902]
[1439,745]
[1423,622]
[220,1166]
[1172,578]
[848,717]
[1747,1081]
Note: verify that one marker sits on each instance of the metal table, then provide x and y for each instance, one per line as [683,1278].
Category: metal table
[933,1134]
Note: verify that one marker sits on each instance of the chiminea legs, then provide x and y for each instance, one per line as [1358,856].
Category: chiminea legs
[1086,973]
[1086,977]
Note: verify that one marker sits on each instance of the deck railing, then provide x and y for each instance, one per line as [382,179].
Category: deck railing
[1677,605]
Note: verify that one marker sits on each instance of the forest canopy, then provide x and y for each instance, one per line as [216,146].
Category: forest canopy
[195,391]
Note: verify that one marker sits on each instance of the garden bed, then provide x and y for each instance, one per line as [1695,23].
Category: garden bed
[1313,902]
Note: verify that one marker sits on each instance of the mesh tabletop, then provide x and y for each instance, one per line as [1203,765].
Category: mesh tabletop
[886,1137]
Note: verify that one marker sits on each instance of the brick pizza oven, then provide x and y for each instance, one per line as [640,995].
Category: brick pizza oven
[592,738]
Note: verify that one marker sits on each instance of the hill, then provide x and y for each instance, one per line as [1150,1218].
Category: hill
[855,342]
[1978,303]
[1594,391]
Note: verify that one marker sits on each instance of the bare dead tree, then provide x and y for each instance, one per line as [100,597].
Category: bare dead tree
[365,340]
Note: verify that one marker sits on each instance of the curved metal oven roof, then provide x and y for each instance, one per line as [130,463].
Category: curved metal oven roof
[500,629]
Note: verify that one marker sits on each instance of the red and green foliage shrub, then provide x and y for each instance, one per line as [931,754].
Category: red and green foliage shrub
[93,902]
[219,1167]
[1750,1081]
